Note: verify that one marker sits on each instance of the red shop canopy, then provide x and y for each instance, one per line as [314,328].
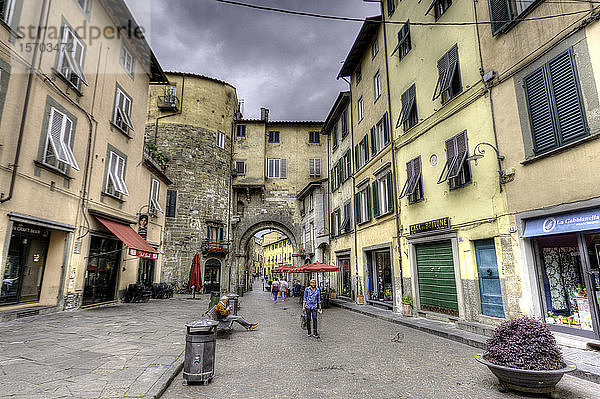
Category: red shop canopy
[318,267]
[137,245]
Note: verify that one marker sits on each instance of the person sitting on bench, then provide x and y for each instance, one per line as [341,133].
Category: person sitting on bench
[224,314]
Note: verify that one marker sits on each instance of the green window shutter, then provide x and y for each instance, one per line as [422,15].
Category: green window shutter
[500,15]
[339,222]
[340,171]
[386,130]
[356,158]
[390,188]
[349,163]
[570,115]
[369,204]
[332,225]
[331,174]
[357,208]
[540,111]
[376,210]
[373,141]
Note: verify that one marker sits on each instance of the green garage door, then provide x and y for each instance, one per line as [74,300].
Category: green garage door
[437,286]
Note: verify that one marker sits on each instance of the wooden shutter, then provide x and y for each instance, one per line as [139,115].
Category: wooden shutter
[386,130]
[570,114]
[373,141]
[348,164]
[376,210]
[332,180]
[55,134]
[340,166]
[540,111]
[311,167]
[500,15]
[366,148]
[390,189]
[409,179]
[339,221]
[450,159]
[460,151]
[283,168]
[171,203]
[357,214]
[356,158]
[368,215]
[317,167]
[442,73]
[332,224]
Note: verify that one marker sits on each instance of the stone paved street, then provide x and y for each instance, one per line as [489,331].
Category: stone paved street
[354,358]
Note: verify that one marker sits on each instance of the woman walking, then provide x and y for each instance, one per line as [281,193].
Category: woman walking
[275,289]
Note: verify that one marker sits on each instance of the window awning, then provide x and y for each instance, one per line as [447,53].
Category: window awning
[137,245]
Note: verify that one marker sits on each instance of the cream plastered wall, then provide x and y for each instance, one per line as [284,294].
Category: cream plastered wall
[251,149]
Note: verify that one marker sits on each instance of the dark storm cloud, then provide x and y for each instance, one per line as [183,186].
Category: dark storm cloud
[283,62]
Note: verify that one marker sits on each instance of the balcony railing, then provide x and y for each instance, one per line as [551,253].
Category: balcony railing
[215,247]
[170,103]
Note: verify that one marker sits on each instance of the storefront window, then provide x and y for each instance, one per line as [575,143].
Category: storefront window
[565,295]
[102,270]
[146,272]
[344,265]
[380,284]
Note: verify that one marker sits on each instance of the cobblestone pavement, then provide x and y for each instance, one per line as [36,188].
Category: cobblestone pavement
[117,351]
[355,358]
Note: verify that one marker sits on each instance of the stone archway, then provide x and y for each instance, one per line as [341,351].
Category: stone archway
[246,230]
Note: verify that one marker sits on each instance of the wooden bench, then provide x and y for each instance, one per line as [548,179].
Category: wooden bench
[214,315]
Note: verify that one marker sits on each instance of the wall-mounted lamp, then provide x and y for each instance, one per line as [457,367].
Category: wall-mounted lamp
[479,153]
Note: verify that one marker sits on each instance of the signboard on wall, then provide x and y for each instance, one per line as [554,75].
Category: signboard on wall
[432,225]
[564,223]
[143,254]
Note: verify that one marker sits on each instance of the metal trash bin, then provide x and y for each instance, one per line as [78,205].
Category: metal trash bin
[200,342]
[233,302]
[214,298]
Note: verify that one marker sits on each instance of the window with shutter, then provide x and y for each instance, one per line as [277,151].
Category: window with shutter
[220,139]
[404,45]
[439,7]
[273,137]
[360,108]
[449,83]
[122,116]
[554,102]
[501,15]
[368,203]
[377,86]
[334,136]
[115,181]
[344,121]
[413,188]
[456,170]
[332,224]
[126,60]
[274,168]
[7,9]
[70,61]
[390,192]
[348,164]
[391,6]
[171,203]
[58,152]
[408,117]
[376,205]
[283,171]
[385,131]
[314,168]
[374,141]
[154,205]
[357,208]
[340,171]
[357,164]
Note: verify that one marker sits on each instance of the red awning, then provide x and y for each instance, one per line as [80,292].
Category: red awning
[137,245]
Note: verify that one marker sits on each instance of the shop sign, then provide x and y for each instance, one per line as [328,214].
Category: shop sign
[563,223]
[30,230]
[143,254]
[432,225]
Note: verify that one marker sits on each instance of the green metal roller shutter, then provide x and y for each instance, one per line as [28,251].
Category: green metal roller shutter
[437,285]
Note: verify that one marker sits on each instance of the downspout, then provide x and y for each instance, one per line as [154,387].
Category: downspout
[394,173]
[173,114]
[231,200]
[352,151]
[25,106]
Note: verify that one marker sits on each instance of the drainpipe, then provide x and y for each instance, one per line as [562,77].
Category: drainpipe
[394,173]
[232,251]
[25,106]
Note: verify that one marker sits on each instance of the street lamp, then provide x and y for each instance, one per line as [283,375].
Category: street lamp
[479,153]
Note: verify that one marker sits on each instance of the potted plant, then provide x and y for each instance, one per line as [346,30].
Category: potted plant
[407,305]
[523,354]
[360,299]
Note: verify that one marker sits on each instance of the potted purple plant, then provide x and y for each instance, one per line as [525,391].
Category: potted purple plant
[523,354]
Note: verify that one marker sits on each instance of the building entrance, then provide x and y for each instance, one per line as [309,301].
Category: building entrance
[102,270]
[212,275]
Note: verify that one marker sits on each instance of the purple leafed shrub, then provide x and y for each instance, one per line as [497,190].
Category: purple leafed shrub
[524,343]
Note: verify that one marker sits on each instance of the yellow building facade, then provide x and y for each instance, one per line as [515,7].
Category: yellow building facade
[458,254]
[277,251]
[73,170]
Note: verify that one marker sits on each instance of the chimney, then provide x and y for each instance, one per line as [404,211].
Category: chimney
[264,114]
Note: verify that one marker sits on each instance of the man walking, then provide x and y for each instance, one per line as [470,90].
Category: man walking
[283,287]
[312,302]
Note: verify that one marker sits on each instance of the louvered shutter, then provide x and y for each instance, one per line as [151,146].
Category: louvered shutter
[66,142]
[373,140]
[450,159]
[386,130]
[283,168]
[369,203]
[404,112]
[311,167]
[567,97]
[540,111]
[349,163]
[340,166]
[366,148]
[356,158]
[460,150]
[332,179]
[442,76]
[376,210]
[390,192]
[500,14]
[452,69]
[318,167]
[357,213]
[416,173]
[121,176]
[55,135]
[332,224]
[409,179]
[339,221]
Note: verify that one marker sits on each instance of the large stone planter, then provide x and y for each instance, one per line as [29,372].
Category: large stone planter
[533,381]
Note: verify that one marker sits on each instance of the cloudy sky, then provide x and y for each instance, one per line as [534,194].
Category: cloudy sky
[286,63]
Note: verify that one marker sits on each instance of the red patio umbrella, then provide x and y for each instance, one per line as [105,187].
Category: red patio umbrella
[195,279]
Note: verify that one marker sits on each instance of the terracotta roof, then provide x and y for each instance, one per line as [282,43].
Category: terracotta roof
[338,106]
[361,44]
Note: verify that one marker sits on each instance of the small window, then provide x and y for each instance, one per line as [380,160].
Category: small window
[122,118]
[240,131]
[70,62]
[220,139]
[334,136]
[413,188]
[126,60]
[377,86]
[7,9]
[273,137]
[362,204]
[362,152]
[171,203]
[503,12]
[404,45]
[314,168]
[449,83]
[439,7]
[358,74]
[240,168]
[457,171]
[171,94]
[344,119]
[408,117]
[374,48]
[276,168]
[347,165]
[115,181]
[383,195]
[314,137]
[58,152]
[154,205]
[361,108]
[380,135]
